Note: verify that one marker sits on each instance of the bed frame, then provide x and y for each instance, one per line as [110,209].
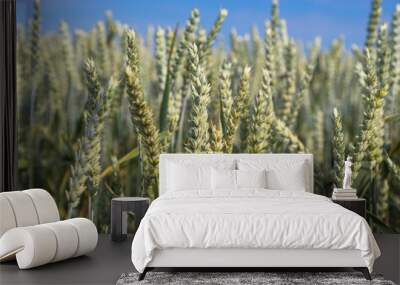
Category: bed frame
[245,259]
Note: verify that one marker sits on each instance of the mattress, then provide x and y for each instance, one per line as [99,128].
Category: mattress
[250,219]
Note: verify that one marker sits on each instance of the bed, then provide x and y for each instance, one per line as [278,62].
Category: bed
[247,210]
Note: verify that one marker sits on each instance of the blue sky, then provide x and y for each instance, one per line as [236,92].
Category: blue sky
[306,19]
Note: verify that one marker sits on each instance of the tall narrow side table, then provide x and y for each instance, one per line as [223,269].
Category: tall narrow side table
[119,214]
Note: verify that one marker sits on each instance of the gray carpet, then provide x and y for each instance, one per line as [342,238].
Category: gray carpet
[269,278]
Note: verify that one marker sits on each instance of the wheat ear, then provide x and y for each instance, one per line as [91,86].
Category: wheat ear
[198,139]
[338,148]
[142,117]
[373,22]
[261,117]
[238,107]
[216,143]
[225,93]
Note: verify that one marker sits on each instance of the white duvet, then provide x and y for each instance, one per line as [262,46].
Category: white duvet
[250,219]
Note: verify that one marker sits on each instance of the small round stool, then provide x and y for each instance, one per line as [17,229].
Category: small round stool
[119,214]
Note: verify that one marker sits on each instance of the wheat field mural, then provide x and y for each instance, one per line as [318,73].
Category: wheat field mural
[97,107]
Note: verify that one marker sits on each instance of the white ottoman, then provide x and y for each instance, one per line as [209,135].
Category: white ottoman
[31,232]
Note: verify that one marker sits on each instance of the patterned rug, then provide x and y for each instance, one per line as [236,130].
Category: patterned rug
[243,278]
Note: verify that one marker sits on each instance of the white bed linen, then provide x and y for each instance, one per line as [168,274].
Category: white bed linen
[252,218]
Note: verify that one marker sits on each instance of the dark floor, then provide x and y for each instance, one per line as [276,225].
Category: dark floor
[103,266]
[389,262]
[110,260]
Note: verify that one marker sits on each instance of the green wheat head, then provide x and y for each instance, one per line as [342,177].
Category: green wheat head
[198,139]
[290,82]
[383,63]
[216,143]
[298,100]
[383,201]
[102,53]
[68,55]
[394,46]
[338,148]
[206,46]
[287,137]
[93,126]
[161,58]
[225,93]
[370,88]
[142,117]
[35,37]
[373,22]
[186,41]
[261,117]
[77,181]
[238,107]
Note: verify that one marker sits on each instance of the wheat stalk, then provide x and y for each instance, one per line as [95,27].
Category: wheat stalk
[92,141]
[35,37]
[393,167]
[305,80]
[173,120]
[161,60]
[201,38]
[369,83]
[275,23]
[198,139]
[286,136]
[68,56]
[290,82]
[112,34]
[383,201]
[77,181]
[102,54]
[187,39]
[216,142]
[261,118]
[377,141]
[206,46]
[238,107]
[142,117]
[225,93]
[394,41]
[373,21]
[338,148]
[111,27]
[270,55]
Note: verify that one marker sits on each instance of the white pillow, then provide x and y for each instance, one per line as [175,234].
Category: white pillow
[224,179]
[294,180]
[181,177]
[281,174]
[251,178]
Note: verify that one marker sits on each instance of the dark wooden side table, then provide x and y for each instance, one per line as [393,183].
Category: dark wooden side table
[358,205]
[119,214]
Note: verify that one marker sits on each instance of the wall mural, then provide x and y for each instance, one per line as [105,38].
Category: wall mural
[96,108]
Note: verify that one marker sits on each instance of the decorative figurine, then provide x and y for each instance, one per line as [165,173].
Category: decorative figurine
[347,173]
